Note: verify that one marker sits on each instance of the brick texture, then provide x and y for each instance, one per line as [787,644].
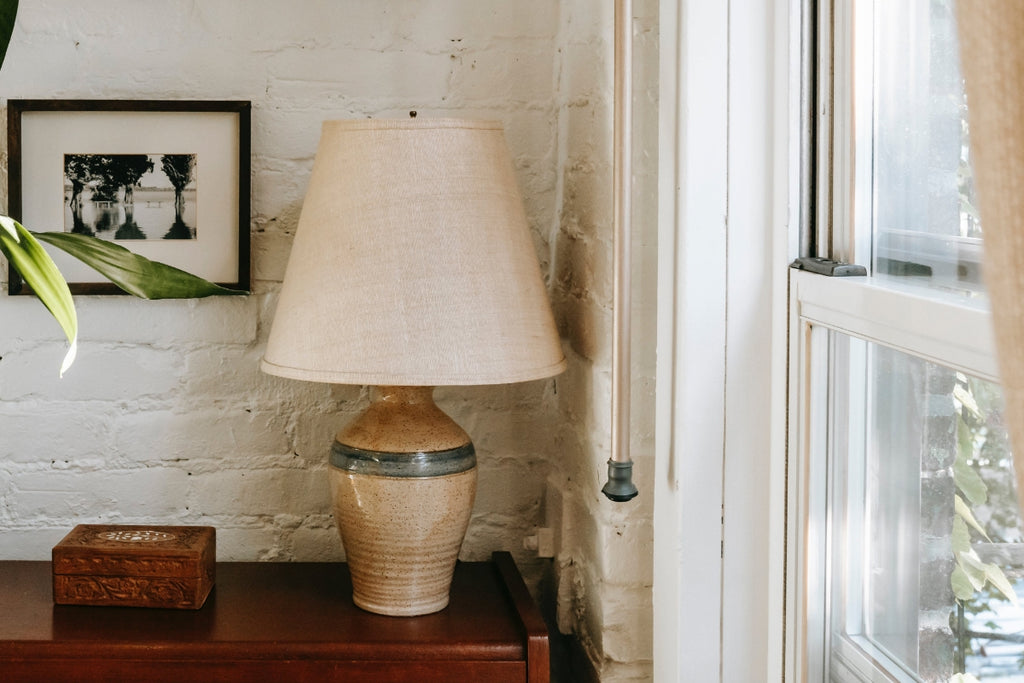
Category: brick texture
[165,417]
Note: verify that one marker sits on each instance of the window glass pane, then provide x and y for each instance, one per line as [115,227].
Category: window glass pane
[924,221]
[923,503]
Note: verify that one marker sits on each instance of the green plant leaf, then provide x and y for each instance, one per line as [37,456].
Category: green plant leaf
[963,678]
[133,273]
[962,587]
[998,579]
[9,227]
[8,12]
[978,573]
[29,258]
[972,566]
[964,511]
[964,440]
[961,537]
[966,399]
[968,481]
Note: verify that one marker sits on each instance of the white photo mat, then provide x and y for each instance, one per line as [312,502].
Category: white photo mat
[213,136]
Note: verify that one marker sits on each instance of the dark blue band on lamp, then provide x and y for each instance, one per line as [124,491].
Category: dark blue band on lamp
[378,463]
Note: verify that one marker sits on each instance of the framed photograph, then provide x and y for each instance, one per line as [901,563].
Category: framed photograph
[168,180]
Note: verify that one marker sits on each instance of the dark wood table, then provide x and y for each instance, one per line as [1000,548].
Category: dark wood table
[281,622]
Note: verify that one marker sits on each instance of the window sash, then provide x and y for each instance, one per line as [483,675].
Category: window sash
[945,329]
[846,156]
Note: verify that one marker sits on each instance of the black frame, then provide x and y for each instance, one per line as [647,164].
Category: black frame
[15,109]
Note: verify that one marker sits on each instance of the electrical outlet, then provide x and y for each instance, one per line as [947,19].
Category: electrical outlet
[547,541]
[554,514]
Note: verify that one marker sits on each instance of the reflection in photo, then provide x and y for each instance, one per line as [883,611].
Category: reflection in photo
[130,196]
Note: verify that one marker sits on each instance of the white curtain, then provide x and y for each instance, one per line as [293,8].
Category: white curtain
[992,60]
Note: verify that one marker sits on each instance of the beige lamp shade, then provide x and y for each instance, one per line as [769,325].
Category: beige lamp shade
[413,264]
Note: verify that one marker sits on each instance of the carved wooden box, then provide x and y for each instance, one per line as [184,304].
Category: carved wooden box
[135,566]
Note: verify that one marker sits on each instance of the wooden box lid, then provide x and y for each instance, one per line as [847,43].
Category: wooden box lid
[132,550]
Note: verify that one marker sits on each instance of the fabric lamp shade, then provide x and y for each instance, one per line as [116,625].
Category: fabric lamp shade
[413,263]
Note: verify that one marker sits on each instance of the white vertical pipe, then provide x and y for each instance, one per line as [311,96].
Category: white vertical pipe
[622,208]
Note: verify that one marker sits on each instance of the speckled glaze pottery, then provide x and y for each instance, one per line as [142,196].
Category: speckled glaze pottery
[403,480]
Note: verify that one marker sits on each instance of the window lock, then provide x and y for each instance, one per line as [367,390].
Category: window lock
[824,266]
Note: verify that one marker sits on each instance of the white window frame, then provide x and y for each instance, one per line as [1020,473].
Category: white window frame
[946,329]
[726,91]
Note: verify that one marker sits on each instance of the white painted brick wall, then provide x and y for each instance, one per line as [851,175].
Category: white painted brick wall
[604,571]
[165,418]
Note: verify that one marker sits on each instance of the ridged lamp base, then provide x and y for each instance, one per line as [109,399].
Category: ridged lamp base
[402,537]
[403,481]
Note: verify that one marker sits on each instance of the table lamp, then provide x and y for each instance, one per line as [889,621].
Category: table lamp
[412,267]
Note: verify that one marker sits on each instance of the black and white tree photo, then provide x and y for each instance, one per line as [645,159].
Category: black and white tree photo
[131,196]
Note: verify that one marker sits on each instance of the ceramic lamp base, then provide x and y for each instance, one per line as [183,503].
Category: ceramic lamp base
[402,537]
[403,480]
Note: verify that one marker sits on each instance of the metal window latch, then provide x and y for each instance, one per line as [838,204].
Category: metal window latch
[824,266]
